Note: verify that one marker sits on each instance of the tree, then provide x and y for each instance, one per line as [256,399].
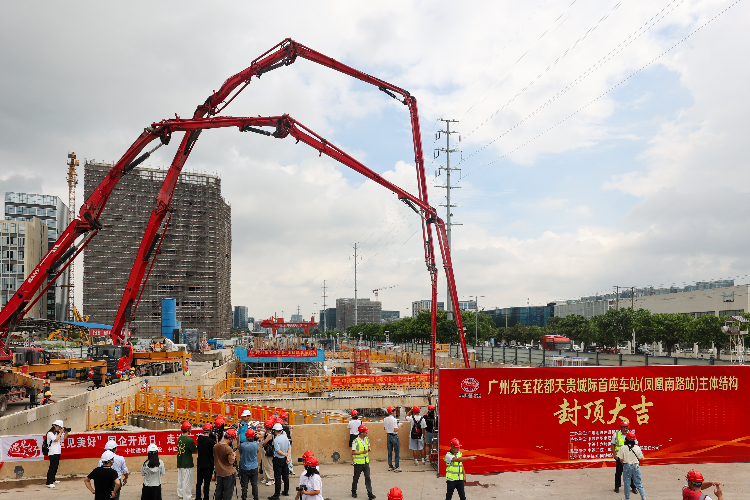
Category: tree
[671,329]
[577,328]
[614,327]
[706,332]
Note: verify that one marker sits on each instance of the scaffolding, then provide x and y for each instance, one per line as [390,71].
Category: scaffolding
[362,361]
[194,263]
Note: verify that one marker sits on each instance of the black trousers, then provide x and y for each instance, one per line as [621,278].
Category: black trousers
[224,487]
[280,471]
[203,475]
[150,492]
[352,437]
[251,476]
[458,486]
[618,476]
[54,463]
[359,469]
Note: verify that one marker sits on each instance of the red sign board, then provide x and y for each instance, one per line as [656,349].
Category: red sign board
[353,380]
[309,353]
[130,444]
[516,419]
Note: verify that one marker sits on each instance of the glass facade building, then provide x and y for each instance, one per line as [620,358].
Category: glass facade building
[527,316]
[239,319]
[22,244]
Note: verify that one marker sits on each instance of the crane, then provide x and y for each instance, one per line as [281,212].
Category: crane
[87,225]
[384,288]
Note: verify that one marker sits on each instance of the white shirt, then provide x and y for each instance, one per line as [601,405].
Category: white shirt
[353,426]
[152,477]
[119,466]
[313,483]
[422,424]
[630,457]
[389,424]
[55,447]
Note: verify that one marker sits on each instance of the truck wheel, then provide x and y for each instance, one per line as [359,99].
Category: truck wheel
[3,404]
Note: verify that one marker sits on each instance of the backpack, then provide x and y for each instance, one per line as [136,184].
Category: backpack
[45,446]
[268,448]
[416,430]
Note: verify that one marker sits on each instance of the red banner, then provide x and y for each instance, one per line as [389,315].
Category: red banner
[129,444]
[379,379]
[516,419]
[310,353]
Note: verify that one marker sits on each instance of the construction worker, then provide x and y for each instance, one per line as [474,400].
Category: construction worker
[454,470]
[429,431]
[47,398]
[353,425]
[249,464]
[618,439]
[108,379]
[630,455]
[185,449]
[244,426]
[416,435]
[361,461]
[205,462]
[267,453]
[118,466]
[186,371]
[692,491]
[132,373]
[224,459]
[391,426]
[395,493]
[281,459]
[288,431]
[145,385]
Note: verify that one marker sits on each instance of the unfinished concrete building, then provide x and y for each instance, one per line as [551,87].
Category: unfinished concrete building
[194,262]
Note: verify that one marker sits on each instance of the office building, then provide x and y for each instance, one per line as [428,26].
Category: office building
[467,305]
[55,215]
[727,301]
[424,305]
[327,319]
[296,318]
[239,319]
[527,315]
[368,311]
[23,246]
[194,262]
[389,316]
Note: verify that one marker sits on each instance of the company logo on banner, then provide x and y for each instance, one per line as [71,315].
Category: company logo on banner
[566,417]
[20,448]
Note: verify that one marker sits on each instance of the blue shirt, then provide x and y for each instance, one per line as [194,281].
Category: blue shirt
[242,430]
[280,443]
[249,455]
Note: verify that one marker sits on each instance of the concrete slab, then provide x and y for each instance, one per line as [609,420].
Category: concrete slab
[420,483]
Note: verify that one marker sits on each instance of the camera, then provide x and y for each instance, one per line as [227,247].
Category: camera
[67,429]
[301,460]
[302,488]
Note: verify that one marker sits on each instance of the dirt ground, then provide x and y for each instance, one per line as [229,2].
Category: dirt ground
[420,482]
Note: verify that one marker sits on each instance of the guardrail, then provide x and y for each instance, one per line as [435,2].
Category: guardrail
[322,384]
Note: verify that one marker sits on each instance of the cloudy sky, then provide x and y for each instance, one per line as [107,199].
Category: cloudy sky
[600,146]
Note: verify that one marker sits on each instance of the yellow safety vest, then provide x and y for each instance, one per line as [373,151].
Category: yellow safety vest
[454,471]
[620,441]
[362,446]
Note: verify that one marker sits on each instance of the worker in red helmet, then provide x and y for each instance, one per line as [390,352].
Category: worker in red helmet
[353,425]
[284,419]
[361,461]
[266,456]
[395,493]
[205,462]
[630,456]
[224,459]
[219,427]
[185,449]
[416,435]
[310,483]
[249,464]
[391,427]
[692,491]
[618,439]
[430,430]
[454,470]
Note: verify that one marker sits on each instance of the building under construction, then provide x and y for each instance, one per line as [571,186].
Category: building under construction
[194,262]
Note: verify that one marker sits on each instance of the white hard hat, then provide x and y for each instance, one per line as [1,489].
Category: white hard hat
[245,413]
[277,427]
[152,447]
[58,423]
[110,444]
[107,456]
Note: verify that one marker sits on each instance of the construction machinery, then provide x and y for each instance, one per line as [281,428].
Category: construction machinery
[15,385]
[276,323]
[81,230]
[146,363]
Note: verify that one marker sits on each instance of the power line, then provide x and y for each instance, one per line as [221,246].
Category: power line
[599,97]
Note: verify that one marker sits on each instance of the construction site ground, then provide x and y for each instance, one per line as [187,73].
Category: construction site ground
[420,483]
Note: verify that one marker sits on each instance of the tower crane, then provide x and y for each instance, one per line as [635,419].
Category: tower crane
[384,288]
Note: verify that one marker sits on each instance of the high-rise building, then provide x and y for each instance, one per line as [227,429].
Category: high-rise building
[467,305]
[296,318]
[327,319]
[194,262]
[54,214]
[389,316]
[239,320]
[367,312]
[23,243]
[424,305]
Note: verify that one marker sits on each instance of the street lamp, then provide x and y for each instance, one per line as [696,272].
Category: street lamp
[476,319]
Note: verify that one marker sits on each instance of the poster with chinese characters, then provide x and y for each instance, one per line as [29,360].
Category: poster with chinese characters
[566,417]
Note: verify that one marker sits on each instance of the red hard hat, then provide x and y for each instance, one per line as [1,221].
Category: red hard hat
[232,433]
[268,423]
[362,428]
[308,453]
[186,426]
[694,476]
[431,407]
[353,413]
[284,414]
[415,409]
[625,423]
[219,420]
[311,461]
[278,421]
[395,493]
[630,435]
[208,427]
[249,433]
[390,409]
[454,442]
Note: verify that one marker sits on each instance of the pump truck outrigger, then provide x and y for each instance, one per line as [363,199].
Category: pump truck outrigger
[59,257]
